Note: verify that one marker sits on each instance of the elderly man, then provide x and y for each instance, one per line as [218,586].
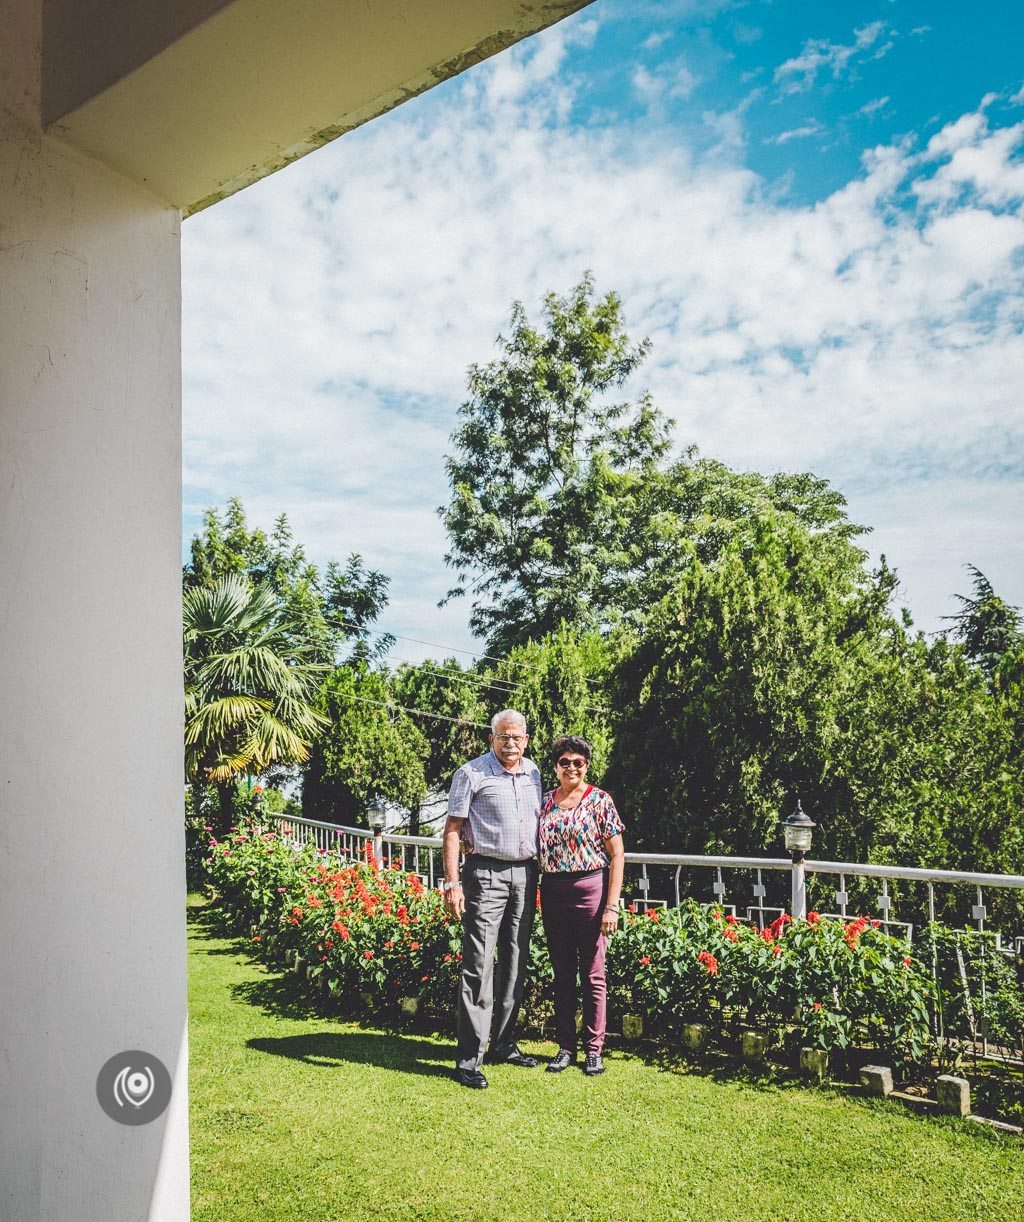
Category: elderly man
[493,810]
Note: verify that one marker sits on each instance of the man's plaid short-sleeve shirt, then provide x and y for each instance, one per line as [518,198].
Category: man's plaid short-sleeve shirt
[501,808]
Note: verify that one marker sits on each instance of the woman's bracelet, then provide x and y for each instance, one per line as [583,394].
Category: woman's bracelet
[611,908]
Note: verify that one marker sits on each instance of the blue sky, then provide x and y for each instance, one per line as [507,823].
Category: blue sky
[815,212]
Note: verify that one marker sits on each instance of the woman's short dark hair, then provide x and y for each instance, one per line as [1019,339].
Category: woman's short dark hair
[570,742]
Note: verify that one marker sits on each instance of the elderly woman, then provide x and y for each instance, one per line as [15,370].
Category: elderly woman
[581,859]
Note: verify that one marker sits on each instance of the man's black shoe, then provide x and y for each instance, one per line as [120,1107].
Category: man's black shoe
[515,1057]
[472,1078]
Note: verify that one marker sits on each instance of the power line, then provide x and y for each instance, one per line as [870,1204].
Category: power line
[388,704]
[507,690]
[487,657]
[505,686]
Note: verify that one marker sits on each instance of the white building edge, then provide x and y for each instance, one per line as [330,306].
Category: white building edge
[117,119]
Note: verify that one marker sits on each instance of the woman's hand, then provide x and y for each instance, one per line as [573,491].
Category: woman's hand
[609,921]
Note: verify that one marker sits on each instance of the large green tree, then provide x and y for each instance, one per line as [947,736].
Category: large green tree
[328,611]
[250,686]
[560,685]
[566,504]
[775,673]
[986,625]
[371,750]
[550,473]
[453,706]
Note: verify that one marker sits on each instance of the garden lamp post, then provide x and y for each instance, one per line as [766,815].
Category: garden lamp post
[798,830]
[378,821]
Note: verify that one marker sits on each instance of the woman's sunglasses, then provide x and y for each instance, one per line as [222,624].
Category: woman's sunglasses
[568,763]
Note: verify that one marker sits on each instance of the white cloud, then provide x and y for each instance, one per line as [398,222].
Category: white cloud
[799,74]
[874,337]
[874,106]
[813,128]
[667,83]
[653,41]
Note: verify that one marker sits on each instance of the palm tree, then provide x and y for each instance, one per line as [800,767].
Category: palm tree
[249,686]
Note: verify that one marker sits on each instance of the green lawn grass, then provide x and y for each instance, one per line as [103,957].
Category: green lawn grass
[295,1116]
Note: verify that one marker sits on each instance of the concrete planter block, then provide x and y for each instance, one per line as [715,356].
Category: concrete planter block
[876,1080]
[694,1036]
[368,1000]
[409,1005]
[632,1026]
[297,962]
[814,1063]
[954,1095]
[754,1047]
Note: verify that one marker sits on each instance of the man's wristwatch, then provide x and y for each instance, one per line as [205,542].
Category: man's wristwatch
[446,886]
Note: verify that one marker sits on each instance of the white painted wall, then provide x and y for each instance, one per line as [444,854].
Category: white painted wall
[92,918]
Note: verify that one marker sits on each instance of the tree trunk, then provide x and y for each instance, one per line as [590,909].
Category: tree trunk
[226,796]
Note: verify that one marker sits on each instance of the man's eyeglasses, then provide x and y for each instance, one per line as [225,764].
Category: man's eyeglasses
[510,738]
[568,763]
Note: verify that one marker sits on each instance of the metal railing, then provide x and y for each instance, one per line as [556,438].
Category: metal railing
[756,888]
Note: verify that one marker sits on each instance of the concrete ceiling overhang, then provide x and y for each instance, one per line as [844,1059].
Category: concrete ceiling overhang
[211,95]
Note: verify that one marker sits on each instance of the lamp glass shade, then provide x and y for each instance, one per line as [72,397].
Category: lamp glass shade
[798,837]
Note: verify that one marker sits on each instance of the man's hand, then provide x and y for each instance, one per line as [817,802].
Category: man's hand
[455,900]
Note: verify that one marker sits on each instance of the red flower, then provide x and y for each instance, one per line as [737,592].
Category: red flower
[447,958]
[813,918]
[414,945]
[424,978]
[388,945]
[459,957]
[367,954]
[709,961]
[853,931]
[730,935]
[631,908]
[817,1005]
[907,961]
[654,914]
[876,924]
[256,937]
[776,949]
[731,919]
[645,959]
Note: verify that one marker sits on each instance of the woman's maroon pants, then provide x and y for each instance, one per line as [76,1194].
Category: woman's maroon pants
[571,906]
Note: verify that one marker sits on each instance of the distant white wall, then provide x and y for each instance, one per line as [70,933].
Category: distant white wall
[92,936]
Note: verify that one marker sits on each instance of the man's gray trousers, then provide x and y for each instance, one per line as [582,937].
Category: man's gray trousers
[501,900]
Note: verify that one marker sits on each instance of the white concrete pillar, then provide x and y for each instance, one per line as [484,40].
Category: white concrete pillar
[92,920]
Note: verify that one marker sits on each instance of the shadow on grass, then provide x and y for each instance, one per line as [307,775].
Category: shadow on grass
[407,1054]
[211,922]
[723,1067]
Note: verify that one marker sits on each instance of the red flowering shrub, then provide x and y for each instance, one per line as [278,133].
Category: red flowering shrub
[363,930]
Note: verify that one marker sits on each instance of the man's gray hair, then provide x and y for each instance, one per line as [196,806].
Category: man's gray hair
[507,715]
